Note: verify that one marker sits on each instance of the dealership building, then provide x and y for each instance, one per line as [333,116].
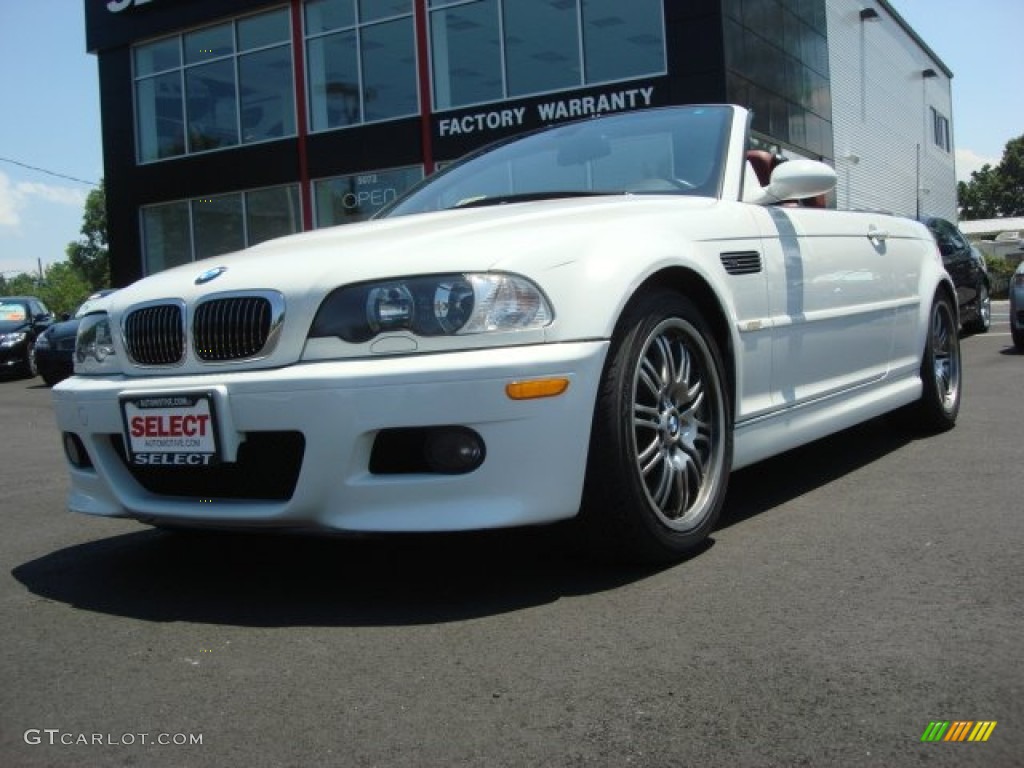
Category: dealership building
[229,122]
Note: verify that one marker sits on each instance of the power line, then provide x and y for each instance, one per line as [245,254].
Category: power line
[49,173]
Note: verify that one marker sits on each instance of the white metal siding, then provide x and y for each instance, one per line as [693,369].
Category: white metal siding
[881,117]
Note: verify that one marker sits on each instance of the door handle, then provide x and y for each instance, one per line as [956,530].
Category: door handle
[877,234]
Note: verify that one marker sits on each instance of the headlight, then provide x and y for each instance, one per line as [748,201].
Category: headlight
[94,345]
[11,339]
[433,305]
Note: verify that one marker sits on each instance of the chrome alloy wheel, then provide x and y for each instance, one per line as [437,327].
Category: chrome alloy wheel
[678,424]
[984,308]
[945,356]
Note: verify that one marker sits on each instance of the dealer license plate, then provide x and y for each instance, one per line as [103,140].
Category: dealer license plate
[171,430]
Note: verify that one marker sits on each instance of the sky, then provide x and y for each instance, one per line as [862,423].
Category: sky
[49,94]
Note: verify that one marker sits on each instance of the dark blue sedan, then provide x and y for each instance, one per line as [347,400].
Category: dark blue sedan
[55,349]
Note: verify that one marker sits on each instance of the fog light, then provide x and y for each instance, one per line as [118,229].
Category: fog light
[74,449]
[454,450]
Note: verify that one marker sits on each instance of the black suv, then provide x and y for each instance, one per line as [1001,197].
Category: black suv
[966,266]
[22,319]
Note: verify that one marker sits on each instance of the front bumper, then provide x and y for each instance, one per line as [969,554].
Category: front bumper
[56,364]
[13,357]
[536,450]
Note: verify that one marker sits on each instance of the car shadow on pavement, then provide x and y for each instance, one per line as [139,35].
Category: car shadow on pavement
[292,580]
[764,486]
[286,580]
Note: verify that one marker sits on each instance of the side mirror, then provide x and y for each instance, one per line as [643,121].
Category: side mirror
[65,316]
[797,180]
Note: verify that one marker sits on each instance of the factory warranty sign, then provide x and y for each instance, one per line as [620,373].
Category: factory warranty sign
[174,430]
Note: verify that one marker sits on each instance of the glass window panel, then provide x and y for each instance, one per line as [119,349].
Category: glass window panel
[733,9]
[272,213]
[263,30]
[333,81]
[466,54]
[622,41]
[369,10]
[157,57]
[218,225]
[442,3]
[212,106]
[348,199]
[161,125]
[265,90]
[325,15]
[209,43]
[166,239]
[389,70]
[542,51]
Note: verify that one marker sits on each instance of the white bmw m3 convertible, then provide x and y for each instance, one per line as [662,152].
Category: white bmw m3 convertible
[598,320]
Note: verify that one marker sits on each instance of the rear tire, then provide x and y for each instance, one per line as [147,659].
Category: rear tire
[983,312]
[937,409]
[661,443]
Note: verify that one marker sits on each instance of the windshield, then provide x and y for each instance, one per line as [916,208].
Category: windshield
[14,313]
[663,151]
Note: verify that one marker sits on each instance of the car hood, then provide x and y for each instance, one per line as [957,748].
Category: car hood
[531,239]
[501,237]
[10,326]
[63,329]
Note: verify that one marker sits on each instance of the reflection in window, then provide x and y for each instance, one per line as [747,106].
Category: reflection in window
[334,81]
[485,50]
[783,78]
[466,54]
[193,92]
[361,61]
[166,236]
[159,115]
[542,46]
[621,41]
[347,199]
[212,105]
[217,224]
[267,97]
[180,232]
[389,71]
[271,213]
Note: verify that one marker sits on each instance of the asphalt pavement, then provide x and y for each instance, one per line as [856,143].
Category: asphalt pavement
[857,591]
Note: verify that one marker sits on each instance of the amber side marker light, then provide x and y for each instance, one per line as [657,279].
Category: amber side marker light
[536,388]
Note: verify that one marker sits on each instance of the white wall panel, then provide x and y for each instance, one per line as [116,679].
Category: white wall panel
[885,153]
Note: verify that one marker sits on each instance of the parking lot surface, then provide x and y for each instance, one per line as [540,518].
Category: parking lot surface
[856,591]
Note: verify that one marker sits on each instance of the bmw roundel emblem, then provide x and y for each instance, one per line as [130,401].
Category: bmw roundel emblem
[210,274]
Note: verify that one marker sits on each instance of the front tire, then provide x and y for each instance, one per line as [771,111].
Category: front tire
[661,443]
[29,368]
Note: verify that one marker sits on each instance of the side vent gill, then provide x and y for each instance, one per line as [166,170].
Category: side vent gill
[742,262]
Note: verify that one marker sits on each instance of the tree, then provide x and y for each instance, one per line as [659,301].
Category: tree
[89,254]
[63,288]
[978,196]
[996,192]
[21,285]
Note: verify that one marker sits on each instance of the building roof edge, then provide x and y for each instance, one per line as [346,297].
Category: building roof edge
[916,37]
